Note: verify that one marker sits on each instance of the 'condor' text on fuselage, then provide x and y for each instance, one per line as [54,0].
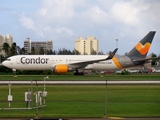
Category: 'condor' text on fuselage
[38,60]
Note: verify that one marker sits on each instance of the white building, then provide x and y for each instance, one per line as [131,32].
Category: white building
[5,39]
[86,46]
[28,44]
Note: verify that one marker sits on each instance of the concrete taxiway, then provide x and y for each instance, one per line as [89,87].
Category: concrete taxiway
[81,82]
[110,118]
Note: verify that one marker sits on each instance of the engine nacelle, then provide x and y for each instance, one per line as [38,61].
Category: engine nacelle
[62,68]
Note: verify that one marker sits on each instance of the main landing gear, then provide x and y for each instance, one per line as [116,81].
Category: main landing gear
[78,73]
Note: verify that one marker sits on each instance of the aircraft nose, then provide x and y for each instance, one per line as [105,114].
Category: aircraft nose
[3,63]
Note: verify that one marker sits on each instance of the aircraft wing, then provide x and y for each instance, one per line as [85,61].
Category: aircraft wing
[85,63]
[145,59]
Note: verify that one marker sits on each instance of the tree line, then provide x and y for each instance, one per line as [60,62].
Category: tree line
[16,50]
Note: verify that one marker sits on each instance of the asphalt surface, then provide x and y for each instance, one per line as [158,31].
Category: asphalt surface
[110,118]
[92,82]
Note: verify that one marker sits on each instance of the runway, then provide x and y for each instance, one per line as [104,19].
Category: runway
[80,82]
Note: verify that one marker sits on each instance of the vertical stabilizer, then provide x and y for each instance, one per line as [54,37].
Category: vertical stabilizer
[142,48]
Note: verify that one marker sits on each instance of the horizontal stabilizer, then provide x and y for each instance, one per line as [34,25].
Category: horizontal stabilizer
[144,59]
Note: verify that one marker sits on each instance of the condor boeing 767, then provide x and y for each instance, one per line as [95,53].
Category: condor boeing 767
[65,63]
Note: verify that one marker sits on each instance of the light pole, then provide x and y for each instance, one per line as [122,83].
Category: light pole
[44,92]
[105,115]
[44,83]
[37,100]
[116,43]
[9,96]
[31,93]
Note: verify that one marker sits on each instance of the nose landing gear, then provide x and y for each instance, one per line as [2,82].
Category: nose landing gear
[14,72]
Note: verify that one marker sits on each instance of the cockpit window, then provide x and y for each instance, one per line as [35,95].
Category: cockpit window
[8,59]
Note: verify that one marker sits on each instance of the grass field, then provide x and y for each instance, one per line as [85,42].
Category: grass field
[68,101]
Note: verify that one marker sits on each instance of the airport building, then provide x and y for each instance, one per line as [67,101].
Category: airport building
[86,46]
[37,45]
[5,39]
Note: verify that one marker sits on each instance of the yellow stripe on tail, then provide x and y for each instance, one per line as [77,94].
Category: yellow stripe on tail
[116,62]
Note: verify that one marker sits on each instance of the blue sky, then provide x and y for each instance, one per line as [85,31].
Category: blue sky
[64,21]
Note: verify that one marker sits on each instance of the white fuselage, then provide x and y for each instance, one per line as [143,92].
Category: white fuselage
[47,62]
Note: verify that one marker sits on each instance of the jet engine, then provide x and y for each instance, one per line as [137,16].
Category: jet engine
[60,68]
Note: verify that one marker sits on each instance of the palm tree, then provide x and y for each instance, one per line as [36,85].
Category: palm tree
[100,53]
[76,52]
[33,51]
[41,51]
[23,51]
[154,58]
[13,49]
[6,47]
[93,52]
[49,52]
[0,49]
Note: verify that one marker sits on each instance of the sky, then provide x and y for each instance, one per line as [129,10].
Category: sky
[63,21]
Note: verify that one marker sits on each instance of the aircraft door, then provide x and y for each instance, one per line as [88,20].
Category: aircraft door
[68,60]
[18,60]
[122,60]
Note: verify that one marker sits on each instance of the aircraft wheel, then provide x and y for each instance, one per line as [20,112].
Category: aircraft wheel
[81,73]
[78,73]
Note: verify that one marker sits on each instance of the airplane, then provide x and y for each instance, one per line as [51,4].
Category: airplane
[65,63]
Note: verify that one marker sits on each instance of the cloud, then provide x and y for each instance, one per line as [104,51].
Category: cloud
[63,29]
[27,22]
[57,11]
[106,20]
[97,16]
[42,12]
[2,8]
[128,12]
